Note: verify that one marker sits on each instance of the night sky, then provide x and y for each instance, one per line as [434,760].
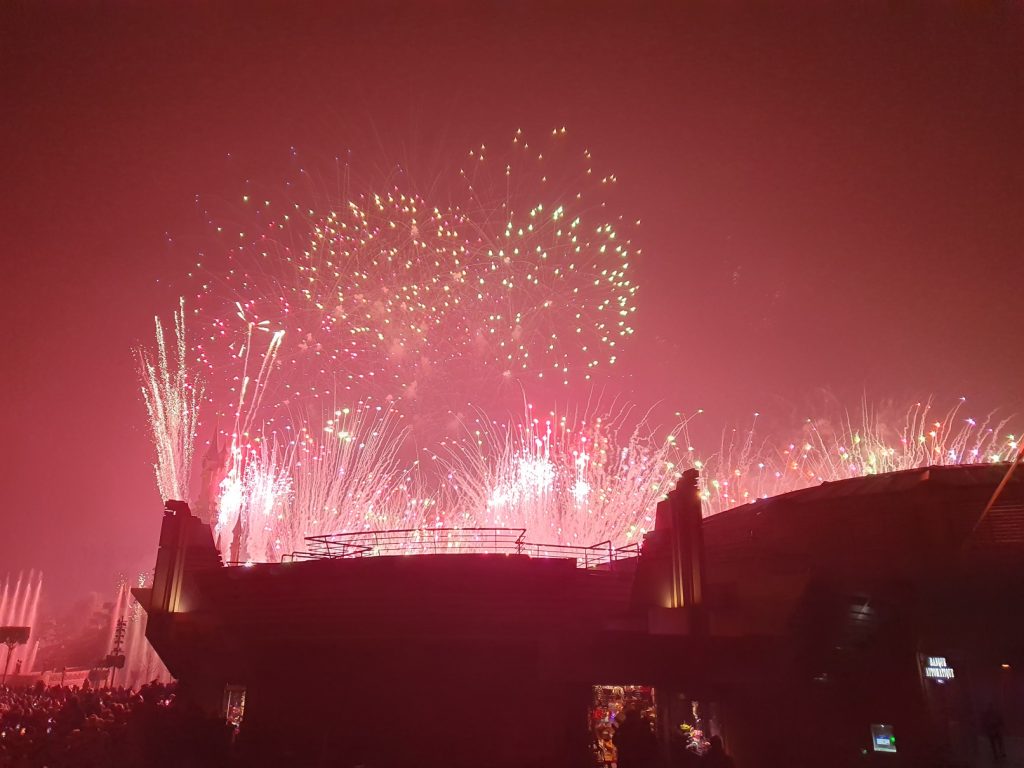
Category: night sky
[831,196]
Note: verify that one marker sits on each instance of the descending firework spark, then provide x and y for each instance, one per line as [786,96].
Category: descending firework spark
[394,295]
[349,477]
[746,469]
[345,476]
[172,403]
[565,480]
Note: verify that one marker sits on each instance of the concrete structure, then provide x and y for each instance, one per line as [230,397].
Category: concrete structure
[822,624]
[868,583]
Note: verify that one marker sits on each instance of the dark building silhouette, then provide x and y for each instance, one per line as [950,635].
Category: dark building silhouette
[828,626]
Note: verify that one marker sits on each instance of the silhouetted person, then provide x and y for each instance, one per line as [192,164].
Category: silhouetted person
[70,716]
[716,757]
[680,754]
[635,744]
[992,724]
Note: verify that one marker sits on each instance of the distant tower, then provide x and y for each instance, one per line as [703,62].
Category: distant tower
[213,472]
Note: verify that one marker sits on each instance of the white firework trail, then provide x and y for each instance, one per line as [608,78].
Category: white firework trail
[350,476]
[172,400]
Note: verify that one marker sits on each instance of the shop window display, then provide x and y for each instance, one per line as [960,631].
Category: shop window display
[611,703]
[683,736]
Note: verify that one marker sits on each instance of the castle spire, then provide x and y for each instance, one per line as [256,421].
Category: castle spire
[214,468]
[213,452]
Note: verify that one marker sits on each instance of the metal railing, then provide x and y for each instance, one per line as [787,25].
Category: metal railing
[451,541]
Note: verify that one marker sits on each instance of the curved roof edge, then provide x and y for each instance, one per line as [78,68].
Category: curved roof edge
[889,482]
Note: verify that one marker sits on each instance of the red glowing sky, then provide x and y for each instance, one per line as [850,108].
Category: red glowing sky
[831,196]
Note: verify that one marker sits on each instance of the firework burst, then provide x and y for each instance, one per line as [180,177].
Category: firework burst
[515,277]
[306,481]
[432,312]
[574,480]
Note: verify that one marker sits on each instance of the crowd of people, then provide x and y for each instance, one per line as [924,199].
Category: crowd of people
[60,727]
[64,727]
